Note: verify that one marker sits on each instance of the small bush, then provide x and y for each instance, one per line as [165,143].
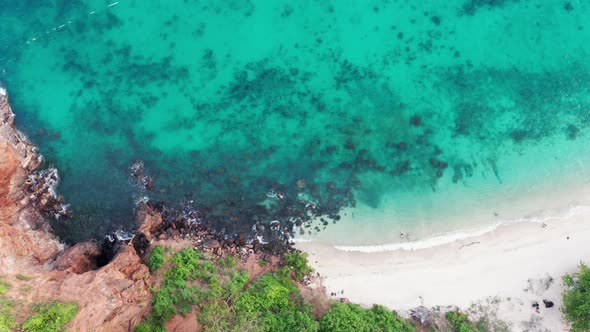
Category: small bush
[51,317]
[156,259]
[175,295]
[23,277]
[4,287]
[576,299]
[229,262]
[298,262]
[149,326]
[460,322]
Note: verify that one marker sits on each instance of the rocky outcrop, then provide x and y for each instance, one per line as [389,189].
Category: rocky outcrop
[82,257]
[114,297]
[41,186]
[149,221]
[24,236]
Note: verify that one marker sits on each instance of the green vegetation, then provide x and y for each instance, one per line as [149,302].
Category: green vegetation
[4,287]
[224,302]
[576,299]
[156,259]
[460,322]
[274,302]
[51,317]
[23,277]
[298,262]
[225,299]
[229,261]
[352,317]
[7,316]
[175,294]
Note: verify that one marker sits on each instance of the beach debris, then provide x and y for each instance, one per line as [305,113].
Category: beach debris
[548,304]
[535,305]
[535,323]
[539,286]
[486,311]
[467,245]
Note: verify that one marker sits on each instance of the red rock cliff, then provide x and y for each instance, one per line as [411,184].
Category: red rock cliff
[112,298]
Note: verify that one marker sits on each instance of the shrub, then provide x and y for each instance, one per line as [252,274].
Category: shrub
[175,295]
[225,300]
[148,326]
[275,302]
[352,317]
[460,322]
[51,317]
[576,299]
[4,287]
[23,277]
[156,259]
[229,261]
[298,262]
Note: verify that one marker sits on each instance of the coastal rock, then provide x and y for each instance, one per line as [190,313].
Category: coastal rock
[149,221]
[211,244]
[25,238]
[80,258]
[42,186]
[111,298]
[137,173]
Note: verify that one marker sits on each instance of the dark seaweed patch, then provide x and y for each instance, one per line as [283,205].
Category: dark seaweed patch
[470,7]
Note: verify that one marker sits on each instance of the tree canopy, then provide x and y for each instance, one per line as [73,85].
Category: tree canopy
[576,299]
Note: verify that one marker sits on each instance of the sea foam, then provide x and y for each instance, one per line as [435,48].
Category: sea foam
[450,237]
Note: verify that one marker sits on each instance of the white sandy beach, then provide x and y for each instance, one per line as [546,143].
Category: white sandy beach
[510,263]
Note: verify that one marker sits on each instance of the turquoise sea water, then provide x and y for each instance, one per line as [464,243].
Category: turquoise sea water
[412,110]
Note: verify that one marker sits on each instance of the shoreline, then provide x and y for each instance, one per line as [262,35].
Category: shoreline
[441,239]
[367,229]
[499,264]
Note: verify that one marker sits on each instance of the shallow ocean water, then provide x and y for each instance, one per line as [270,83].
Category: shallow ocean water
[424,114]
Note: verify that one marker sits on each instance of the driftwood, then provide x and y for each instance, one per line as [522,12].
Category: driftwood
[467,245]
